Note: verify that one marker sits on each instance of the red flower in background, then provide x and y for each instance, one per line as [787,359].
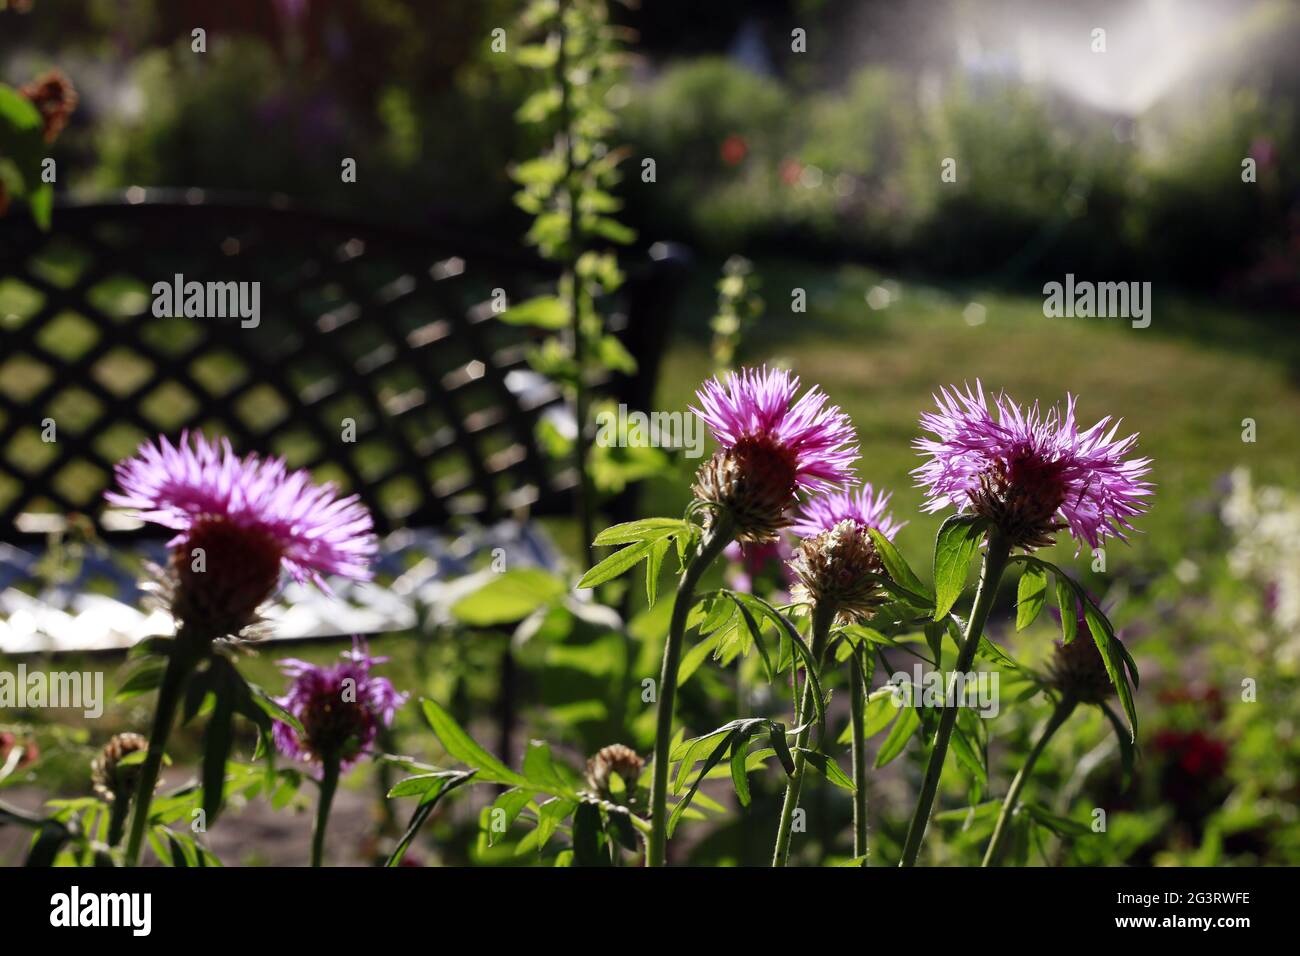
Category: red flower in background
[734,150]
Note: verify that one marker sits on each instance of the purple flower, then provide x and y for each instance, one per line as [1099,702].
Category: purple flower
[195,481]
[1031,473]
[865,506]
[340,708]
[239,522]
[772,446]
[757,406]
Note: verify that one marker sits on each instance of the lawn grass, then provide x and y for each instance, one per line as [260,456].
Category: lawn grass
[1185,383]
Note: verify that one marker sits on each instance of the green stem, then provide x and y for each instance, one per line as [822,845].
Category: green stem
[328,784]
[179,663]
[823,616]
[857,710]
[1059,716]
[996,553]
[714,542]
[585,495]
[117,816]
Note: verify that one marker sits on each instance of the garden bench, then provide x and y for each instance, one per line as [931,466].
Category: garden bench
[377,360]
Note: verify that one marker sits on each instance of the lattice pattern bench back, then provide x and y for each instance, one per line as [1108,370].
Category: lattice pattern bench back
[391,330]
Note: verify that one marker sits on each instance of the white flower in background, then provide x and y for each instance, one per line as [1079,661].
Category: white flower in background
[1265,525]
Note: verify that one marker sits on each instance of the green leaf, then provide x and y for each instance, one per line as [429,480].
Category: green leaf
[645,529]
[509,597]
[1127,752]
[422,812]
[829,769]
[776,737]
[462,746]
[1031,595]
[148,676]
[718,752]
[958,540]
[654,567]
[739,775]
[1061,826]
[420,784]
[587,829]
[899,571]
[272,708]
[1069,608]
[904,726]
[543,312]
[755,633]
[801,648]
[545,774]
[217,739]
[1105,640]
[618,563]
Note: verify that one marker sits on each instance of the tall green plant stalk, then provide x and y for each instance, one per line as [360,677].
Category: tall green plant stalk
[180,662]
[857,714]
[1059,716]
[329,783]
[715,540]
[996,553]
[569,289]
[822,618]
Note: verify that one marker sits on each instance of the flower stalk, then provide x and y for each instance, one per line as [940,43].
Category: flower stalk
[857,714]
[996,554]
[823,617]
[1059,716]
[182,660]
[328,785]
[715,540]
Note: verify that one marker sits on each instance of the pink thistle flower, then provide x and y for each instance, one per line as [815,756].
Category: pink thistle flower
[772,447]
[249,518]
[341,708]
[1031,473]
[865,506]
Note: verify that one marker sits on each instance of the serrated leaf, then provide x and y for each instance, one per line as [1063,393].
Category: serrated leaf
[618,563]
[646,528]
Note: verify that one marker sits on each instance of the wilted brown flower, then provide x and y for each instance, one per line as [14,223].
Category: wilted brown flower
[54,96]
[110,778]
[614,759]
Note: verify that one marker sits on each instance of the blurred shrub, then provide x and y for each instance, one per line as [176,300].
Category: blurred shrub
[237,119]
[1195,216]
